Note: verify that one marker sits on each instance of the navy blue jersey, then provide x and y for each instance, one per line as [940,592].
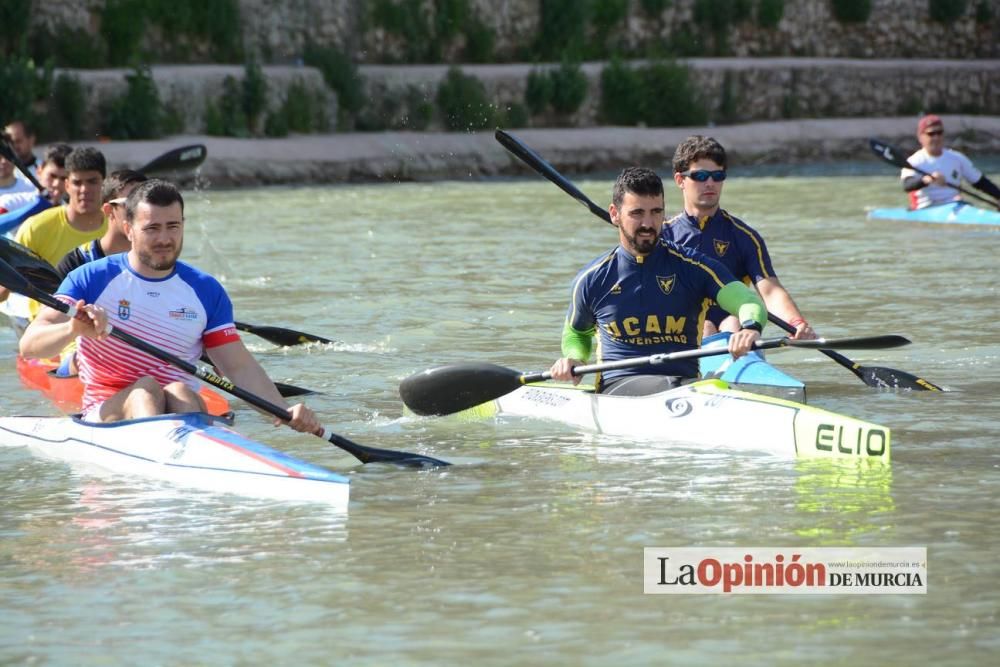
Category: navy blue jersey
[646,305]
[726,239]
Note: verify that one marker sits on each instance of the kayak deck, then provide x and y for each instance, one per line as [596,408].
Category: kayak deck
[751,372]
[192,450]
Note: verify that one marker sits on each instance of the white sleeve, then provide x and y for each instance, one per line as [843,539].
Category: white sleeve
[969,171]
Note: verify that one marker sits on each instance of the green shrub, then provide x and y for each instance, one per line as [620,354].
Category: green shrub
[569,87]
[620,94]
[984,13]
[515,115]
[538,93]
[340,74]
[479,42]
[254,94]
[670,98]
[15,16]
[419,111]
[303,109]
[463,102]
[67,107]
[123,23]
[947,11]
[425,34]
[224,116]
[654,7]
[562,29]
[769,13]
[607,19]
[71,47]
[22,84]
[138,113]
[851,11]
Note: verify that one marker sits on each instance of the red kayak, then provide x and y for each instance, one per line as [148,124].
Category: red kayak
[67,392]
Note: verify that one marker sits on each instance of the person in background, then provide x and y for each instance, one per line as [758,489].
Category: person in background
[945,169]
[15,193]
[649,296]
[22,139]
[150,294]
[699,166]
[51,172]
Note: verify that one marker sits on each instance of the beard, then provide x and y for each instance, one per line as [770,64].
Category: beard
[643,246]
[163,263]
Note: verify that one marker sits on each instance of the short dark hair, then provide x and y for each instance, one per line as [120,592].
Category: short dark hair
[25,125]
[116,181]
[56,154]
[696,148]
[637,180]
[155,192]
[86,158]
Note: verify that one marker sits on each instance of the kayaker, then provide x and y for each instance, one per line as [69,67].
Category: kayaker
[149,293]
[699,166]
[945,169]
[648,296]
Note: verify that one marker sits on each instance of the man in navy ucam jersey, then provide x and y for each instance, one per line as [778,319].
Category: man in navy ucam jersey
[699,166]
[649,296]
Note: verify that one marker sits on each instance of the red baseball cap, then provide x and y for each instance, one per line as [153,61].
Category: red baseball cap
[927,121]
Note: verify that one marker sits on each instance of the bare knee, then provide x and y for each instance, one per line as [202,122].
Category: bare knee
[182,398]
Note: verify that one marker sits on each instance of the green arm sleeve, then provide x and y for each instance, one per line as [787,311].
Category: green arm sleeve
[577,344]
[743,302]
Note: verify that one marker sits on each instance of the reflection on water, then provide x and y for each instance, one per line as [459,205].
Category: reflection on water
[529,549]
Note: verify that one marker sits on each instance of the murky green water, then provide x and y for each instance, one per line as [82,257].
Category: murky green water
[529,549]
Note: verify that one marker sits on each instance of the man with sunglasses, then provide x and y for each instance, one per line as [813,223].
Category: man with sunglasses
[699,166]
[945,169]
[647,296]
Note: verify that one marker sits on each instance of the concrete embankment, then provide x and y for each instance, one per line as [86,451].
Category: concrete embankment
[412,156]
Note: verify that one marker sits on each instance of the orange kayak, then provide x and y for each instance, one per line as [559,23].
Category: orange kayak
[67,392]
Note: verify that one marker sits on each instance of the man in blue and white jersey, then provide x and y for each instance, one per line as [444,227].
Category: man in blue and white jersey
[649,296]
[148,293]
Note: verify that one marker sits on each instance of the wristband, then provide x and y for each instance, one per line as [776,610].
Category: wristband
[795,322]
[752,324]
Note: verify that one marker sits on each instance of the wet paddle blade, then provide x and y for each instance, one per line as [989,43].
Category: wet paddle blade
[888,378]
[281,336]
[880,342]
[28,263]
[178,159]
[448,389]
[887,152]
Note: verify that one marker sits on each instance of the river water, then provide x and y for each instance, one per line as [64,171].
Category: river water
[529,549]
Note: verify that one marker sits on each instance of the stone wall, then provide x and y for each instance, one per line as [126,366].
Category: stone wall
[277,31]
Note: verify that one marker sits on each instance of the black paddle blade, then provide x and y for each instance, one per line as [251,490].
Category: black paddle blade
[29,264]
[887,152]
[178,159]
[375,455]
[290,390]
[448,389]
[888,378]
[281,336]
[881,342]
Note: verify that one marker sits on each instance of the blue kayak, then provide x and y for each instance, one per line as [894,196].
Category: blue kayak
[954,213]
[750,372]
[10,220]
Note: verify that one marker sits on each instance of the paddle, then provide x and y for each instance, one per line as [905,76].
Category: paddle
[873,377]
[892,155]
[177,159]
[448,389]
[13,281]
[280,336]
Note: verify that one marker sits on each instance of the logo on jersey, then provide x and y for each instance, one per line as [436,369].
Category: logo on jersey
[183,313]
[666,283]
[152,295]
[617,289]
[124,309]
[720,247]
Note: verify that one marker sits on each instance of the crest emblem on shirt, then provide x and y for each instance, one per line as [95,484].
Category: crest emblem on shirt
[666,283]
[720,247]
[124,309]
[617,289]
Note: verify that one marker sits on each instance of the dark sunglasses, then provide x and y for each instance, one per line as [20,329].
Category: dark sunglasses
[703,175]
[934,133]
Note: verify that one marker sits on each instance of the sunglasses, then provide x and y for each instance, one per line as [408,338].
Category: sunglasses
[703,175]
[934,133]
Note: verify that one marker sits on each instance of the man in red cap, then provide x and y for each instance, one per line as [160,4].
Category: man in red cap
[944,169]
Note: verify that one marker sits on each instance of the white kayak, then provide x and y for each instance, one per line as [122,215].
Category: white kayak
[193,450]
[708,413]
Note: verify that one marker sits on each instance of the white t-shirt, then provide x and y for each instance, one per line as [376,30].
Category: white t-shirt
[20,193]
[952,164]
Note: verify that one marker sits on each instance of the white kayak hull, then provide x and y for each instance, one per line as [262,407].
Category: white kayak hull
[705,414]
[191,450]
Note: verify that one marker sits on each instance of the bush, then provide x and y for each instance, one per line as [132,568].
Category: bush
[769,13]
[654,7]
[562,29]
[65,118]
[22,84]
[254,97]
[538,93]
[569,87]
[224,117]
[463,102]
[479,42]
[620,94]
[851,11]
[138,113]
[947,11]
[15,16]
[658,95]
[984,13]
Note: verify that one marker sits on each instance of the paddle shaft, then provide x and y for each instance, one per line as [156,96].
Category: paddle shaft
[8,152]
[892,155]
[15,282]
